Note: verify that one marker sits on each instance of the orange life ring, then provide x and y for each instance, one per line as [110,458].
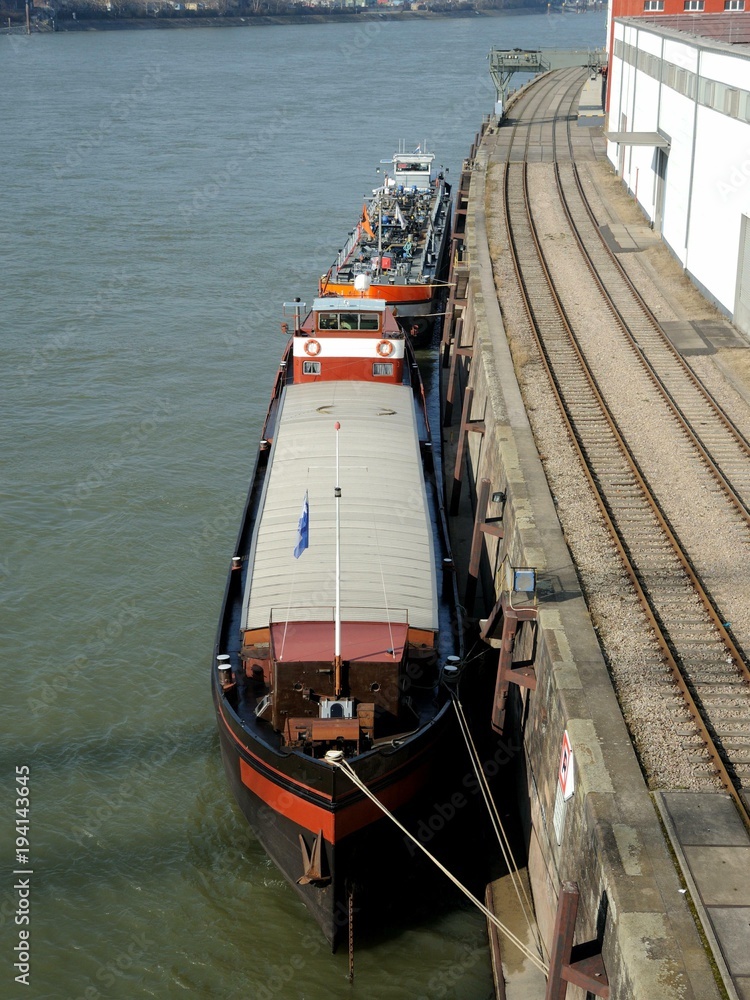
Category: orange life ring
[312,347]
[385,348]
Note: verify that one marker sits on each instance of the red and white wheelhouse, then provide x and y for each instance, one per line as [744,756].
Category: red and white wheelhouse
[354,339]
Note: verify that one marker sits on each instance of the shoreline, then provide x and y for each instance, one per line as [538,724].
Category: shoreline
[266,20]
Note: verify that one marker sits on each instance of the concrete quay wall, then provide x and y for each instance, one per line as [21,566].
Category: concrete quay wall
[612,843]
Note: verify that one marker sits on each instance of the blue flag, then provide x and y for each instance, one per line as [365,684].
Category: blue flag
[303,529]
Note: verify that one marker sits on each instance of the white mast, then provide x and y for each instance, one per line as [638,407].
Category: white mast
[337,618]
[380,226]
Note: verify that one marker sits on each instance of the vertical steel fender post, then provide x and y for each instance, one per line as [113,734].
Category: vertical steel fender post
[482,526]
[459,465]
[456,352]
[506,675]
[581,965]
[472,578]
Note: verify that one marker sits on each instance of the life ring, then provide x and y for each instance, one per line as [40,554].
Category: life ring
[312,347]
[385,348]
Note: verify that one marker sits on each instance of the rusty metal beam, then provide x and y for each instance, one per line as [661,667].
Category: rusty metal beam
[458,468]
[451,388]
[492,527]
[472,578]
[502,682]
[446,355]
[481,527]
[581,966]
[503,609]
[450,307]
[562,940]
[448,327]
[506,675]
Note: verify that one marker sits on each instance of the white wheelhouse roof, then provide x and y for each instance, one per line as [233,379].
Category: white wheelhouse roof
[355,304]
[387,554]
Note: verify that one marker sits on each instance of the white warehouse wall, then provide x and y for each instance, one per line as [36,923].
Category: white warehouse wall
[707,183]
[676,119]
[721,195]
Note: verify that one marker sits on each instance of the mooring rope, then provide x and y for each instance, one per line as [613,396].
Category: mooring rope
[532,956]
[497,823]
[385,592]
[288,610]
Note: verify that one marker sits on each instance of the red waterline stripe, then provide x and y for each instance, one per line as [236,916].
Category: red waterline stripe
[335,825]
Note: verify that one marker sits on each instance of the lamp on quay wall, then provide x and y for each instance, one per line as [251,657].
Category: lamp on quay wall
[500,496]
[520,579]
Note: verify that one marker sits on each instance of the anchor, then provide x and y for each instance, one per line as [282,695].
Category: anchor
[312,863]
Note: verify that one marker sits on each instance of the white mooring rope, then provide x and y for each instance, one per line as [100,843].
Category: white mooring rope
[533,958]
[497,823]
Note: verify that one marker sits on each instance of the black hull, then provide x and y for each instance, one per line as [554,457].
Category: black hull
[367,853]
[421,328]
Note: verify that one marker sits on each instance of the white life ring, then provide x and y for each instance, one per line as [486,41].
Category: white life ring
[384,348]
[312,347]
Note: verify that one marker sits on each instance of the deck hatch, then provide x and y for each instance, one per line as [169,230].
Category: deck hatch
[386,537]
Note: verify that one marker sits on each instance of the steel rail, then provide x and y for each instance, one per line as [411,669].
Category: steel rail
[724,418]
[737,655]
[529,102]
[715,753]
[742,506]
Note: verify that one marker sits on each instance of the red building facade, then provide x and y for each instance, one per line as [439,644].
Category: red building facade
[726,20]
[638,8]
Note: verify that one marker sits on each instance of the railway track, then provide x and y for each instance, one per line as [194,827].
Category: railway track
[724,449]
[708,666]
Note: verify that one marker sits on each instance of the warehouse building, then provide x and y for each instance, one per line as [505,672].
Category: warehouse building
[678,125]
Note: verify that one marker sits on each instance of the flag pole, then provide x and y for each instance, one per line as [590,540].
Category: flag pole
[337,620]
[380,226]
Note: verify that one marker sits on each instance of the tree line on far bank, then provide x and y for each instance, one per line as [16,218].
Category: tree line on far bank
[48,11]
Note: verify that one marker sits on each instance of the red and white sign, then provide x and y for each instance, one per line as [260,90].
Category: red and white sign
[566,773]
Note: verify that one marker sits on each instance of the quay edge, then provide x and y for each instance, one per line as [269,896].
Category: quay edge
[612,846]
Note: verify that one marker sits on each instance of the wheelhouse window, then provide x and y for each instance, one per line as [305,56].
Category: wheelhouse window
[311,368]
[348,321]
[410,166]
[734,4]
[693,5]
[382,368]
[653,5]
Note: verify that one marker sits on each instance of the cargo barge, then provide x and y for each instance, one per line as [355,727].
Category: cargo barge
[400,243]
[340,628]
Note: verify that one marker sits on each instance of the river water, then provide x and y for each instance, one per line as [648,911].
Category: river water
[163,192]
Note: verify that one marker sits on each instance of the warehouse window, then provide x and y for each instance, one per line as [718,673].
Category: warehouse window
[731,102]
